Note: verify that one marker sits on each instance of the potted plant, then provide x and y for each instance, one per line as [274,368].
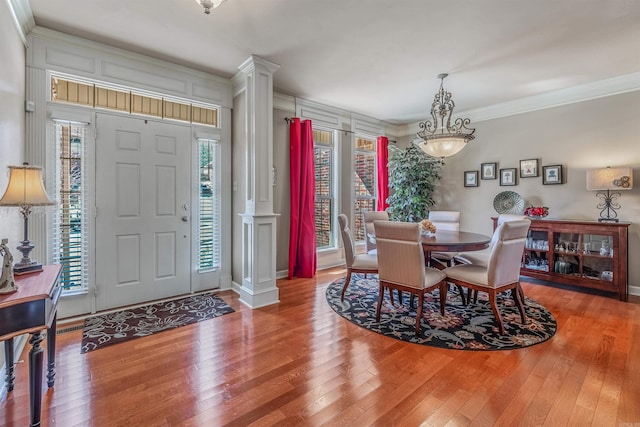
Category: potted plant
[412,179]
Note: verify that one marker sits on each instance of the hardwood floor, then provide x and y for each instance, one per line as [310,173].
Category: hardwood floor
[298,363]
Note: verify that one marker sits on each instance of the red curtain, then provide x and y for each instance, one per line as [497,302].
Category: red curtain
[302,230]
[383,173]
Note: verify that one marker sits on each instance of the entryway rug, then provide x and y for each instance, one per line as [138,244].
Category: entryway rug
[113,328]
[471,327]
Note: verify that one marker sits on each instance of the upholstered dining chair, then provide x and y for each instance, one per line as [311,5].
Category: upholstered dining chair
[482,257]
[401,265]
[369,217]
[448,221]
[502,271]
[360,263]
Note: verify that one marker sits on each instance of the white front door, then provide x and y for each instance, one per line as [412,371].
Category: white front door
[142,208]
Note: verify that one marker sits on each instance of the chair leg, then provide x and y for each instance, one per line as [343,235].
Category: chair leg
[496,312]
[419,313]
[461,292]
[380,298]
[391,298]
[346,283]
[521,292]
[443,295]
[518,297]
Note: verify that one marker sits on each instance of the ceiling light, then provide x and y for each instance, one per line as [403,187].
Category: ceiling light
[439,138]
[209,4]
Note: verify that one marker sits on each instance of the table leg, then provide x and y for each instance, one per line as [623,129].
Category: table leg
[10,377]
[51,352]
[35,377]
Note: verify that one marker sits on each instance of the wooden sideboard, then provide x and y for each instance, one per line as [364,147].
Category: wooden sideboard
[586,254]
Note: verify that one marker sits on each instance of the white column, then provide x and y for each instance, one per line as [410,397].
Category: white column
[258,220]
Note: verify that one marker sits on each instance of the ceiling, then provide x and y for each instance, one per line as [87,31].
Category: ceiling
[379,58]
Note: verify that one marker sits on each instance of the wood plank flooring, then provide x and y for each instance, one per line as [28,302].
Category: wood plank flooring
[298,363]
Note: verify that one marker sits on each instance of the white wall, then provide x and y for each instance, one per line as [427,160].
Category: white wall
[12,81]
[12,58]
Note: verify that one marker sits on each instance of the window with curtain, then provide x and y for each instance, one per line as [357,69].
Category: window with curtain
[70,234]
[364,181]
[324,149]
[209,205]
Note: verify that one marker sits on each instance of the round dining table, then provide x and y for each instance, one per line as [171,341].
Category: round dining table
[452,241]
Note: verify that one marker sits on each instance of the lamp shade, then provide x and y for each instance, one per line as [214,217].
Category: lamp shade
[610,179]
[25,187]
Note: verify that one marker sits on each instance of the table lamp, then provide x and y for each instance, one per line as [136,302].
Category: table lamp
[25,190]
[604,180]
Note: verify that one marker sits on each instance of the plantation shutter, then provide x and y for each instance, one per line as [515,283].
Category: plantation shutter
[209,205]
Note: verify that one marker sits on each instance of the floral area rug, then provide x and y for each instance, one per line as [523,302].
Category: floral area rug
[121,326]
[471,327]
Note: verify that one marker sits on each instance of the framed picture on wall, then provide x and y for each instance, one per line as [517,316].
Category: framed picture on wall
[552,174]
[471,178]
[528,168]
[508,176]
[488,170]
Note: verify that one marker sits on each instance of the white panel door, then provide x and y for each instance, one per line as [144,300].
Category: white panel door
[142,201]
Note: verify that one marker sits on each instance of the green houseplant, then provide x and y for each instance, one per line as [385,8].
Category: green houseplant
[412,179]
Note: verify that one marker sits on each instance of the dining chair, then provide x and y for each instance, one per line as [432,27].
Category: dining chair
[481,257]
[401,265]
[502,271]
[448,221]
[360,263]
[369,230]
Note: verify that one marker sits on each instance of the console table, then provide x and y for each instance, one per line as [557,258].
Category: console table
[587,254]
[30,310]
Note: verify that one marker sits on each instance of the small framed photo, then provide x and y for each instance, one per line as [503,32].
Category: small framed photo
[528,168]
[488,170]
[471,178]
[552,174]
[508,176]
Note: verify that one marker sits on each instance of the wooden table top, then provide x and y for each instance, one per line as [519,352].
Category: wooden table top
[32,286]
[455,241]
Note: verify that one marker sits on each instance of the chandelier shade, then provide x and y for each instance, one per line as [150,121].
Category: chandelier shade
[439,137]
[209,4]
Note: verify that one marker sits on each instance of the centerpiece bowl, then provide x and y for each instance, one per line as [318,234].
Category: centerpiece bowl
[536,212]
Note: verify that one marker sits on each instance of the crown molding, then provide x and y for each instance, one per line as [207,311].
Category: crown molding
[22,17]
[580,93]
[284,102]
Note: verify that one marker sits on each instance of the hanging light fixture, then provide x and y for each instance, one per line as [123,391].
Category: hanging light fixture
[439,138]
[209,4]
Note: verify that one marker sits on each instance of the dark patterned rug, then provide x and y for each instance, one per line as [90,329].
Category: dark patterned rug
[471,327]
[121,326]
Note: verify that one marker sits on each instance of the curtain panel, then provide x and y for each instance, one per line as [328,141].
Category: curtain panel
[302,230]
[383,173]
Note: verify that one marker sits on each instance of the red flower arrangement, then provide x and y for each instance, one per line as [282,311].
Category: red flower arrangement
[537,211]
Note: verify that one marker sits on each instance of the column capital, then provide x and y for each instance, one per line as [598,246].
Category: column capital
[254,62]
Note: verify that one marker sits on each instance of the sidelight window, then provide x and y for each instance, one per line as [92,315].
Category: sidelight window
[71,220]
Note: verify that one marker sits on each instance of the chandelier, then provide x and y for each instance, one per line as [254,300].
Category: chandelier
[209,4]
[439,138]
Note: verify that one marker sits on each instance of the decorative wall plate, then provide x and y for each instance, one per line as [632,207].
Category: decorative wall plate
[508,202]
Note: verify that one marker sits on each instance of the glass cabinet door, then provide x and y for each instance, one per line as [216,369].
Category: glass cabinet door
[583,255]
[536,252]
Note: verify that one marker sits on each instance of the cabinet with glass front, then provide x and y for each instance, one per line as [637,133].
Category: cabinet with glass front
[587,254]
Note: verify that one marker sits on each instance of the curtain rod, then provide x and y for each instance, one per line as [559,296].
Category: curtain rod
[290,119]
